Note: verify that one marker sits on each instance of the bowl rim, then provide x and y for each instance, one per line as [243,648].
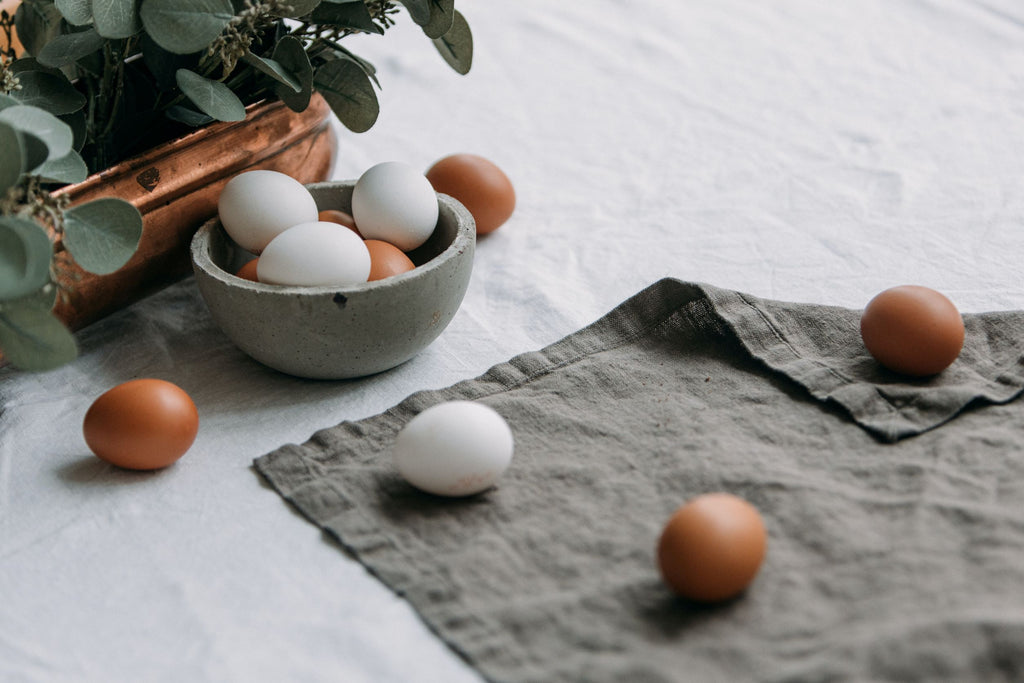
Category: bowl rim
[465,240]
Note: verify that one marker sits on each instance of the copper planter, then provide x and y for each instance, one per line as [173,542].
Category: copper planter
[176,185]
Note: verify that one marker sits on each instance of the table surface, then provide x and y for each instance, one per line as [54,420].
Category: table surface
[795,150]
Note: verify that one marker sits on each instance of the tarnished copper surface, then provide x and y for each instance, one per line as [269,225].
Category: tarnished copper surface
[176,186]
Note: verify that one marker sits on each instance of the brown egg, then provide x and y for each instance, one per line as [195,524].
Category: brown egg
[479,185]
[912,330]
[248,271]
[339,217]
[712,547]
[144,424]
[386,260]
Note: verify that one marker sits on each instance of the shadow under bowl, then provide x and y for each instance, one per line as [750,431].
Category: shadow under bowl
[339,332]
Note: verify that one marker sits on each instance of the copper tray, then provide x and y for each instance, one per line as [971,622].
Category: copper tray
[176,185]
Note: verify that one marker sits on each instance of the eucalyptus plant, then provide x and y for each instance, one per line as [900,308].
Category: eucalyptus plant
[101,80]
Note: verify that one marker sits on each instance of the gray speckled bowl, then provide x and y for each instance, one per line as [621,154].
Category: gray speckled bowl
[339,332]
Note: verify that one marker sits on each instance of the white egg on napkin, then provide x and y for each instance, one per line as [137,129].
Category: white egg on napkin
[456,448]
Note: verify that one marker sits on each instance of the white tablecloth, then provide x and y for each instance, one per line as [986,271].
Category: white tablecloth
[797,150]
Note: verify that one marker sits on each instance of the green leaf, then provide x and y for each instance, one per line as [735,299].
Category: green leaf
[49,92]
[12,159]
[456,46]
[79,128]
[187,116]
[185,26]
[102,234]
[56,134]
[34,151]
[442,16]
[70,168]
[419,10]
[25,254]
[77,12]
[341,52]
[211,97]
[300,8]
[7,101]
[37,23]
[69,48]
[116,18]
[291,55]
[33,339]
[24,64]
[348,14]
[272,68]
[350,94]
[42,299]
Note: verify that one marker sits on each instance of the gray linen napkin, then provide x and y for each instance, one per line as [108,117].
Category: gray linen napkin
[889,558]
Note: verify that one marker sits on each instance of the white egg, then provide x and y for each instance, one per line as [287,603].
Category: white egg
[395,203]
[457,448]
[257,206]
[315,254]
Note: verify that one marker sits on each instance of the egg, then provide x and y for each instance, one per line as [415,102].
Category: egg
[712,547]
[479,185]
[257,206]
[457,448]
[248,271]
[394,202]
[339,217]
[316,254]
[386,260]
[144,424]
[912,330]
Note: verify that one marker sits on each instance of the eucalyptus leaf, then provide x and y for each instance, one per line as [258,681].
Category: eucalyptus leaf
[76,12]
[42,299]
[49,92]
[25,254]
[56,134]
[79,128]
[23,64]
[211,97]
[300,8]
[185,26]
[272,68]
[7,101]
[349,93]
[187,116]
[341,52]
[37,23]
[456,46]
[33,339]
[442,16]
[70,168]
[291,55]
[12,159]
[102,234]
[116,18]
[348,14]
[69,48]
[419,10]
[34,151]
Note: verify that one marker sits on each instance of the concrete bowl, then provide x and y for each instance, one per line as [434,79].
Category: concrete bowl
[339,332]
